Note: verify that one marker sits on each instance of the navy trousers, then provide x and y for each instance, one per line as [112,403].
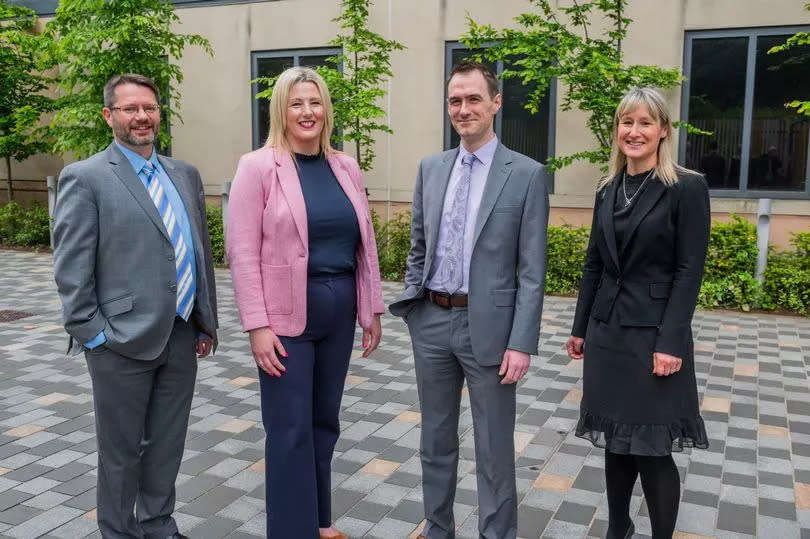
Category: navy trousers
[300,411]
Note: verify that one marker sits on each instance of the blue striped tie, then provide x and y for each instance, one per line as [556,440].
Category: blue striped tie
[182,258]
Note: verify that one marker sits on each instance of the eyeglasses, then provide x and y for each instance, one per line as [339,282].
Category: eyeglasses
[131,110]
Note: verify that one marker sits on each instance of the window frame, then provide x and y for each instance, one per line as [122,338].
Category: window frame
[748,108]
[451,46]
[296,55]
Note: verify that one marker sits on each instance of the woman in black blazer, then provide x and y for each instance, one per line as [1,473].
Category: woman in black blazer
[639,289]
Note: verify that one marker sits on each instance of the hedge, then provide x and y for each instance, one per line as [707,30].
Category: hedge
[728,280]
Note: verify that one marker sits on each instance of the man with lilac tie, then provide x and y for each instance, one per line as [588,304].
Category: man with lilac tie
[472,301]
[134,271]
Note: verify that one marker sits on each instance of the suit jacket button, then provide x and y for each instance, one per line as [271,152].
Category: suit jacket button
[170,258]
[173,288]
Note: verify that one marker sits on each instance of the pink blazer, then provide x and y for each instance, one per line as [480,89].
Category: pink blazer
[267,242]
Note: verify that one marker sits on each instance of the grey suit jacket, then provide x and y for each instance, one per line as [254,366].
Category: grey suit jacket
[113,259]
[508,263]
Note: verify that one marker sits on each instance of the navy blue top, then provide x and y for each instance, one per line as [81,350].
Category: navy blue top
[332,223]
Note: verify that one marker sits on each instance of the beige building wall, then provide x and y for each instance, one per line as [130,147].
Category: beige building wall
[216,92]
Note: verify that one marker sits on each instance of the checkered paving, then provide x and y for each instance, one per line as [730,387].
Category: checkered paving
[754,479]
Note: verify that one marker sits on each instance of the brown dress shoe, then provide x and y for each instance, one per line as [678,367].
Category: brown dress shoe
[340,535]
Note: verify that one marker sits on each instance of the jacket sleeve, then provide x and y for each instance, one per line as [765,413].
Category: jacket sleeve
[693,222]
[371,249]
[591,273]
[243,242]
[208,251]
[415,263]
[76,235]
[531,266]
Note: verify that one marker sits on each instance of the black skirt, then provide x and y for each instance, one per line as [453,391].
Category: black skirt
[627,409]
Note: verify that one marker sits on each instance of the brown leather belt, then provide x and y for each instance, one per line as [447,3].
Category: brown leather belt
[446,300]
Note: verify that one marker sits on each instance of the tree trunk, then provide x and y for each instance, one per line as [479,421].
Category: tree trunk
[10,187]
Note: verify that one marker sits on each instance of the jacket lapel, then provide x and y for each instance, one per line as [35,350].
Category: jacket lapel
[290,184]
[123,170]
[351,191]
[434,190]
[646,201]
[499,172]
[187,196]
[606,220]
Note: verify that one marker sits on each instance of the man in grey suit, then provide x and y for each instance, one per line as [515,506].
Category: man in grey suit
[472,301]
[133,265]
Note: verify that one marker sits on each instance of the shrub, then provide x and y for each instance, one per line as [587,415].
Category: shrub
[732,249]
[217,233]
[393,243]
[24,227]
[566,256]
[787,277]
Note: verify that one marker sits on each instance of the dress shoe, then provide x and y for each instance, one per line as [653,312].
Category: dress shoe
[177,535]
[340,535]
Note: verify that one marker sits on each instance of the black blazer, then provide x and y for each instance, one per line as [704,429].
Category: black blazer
[655,279]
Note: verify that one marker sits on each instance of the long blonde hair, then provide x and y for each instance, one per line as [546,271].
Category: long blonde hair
[666,168]
[278,108]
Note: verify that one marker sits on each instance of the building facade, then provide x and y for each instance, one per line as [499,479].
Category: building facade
[733,88]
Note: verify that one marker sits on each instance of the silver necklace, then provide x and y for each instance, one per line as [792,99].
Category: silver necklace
[629,200]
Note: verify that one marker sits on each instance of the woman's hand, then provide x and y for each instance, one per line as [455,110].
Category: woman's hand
[264,344]
[371,336]
[576,347]
[665,364]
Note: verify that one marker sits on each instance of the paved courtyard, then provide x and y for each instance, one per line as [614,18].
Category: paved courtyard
[754,479]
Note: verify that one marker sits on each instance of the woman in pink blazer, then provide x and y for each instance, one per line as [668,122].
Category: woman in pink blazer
[304,266]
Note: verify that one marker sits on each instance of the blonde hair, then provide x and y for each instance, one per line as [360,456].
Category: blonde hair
[278,108]
[666,168]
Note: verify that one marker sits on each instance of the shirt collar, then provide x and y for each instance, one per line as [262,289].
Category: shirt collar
[136,160]
[484,154]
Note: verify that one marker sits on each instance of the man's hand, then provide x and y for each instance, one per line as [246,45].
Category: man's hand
[576,347]
[265,344]
[665,364]
[514,366]
[371,336]
[204,345]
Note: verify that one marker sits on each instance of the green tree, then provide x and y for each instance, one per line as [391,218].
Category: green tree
[797,40]
[561,44]
[92,40]
[22,101]
[355,81]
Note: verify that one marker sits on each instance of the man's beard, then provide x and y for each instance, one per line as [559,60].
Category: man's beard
[127,136]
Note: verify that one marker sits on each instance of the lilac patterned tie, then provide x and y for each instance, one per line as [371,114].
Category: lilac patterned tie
[450,252]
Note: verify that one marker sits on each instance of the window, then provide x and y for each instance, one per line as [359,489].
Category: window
[736,90]
[271,64]
[516,127]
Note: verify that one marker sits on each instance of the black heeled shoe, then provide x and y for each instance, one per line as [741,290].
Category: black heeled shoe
[630,531]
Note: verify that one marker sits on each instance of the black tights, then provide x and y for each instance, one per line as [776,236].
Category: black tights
[662,490]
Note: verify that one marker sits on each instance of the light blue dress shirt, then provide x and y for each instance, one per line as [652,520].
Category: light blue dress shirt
[180,213]
[478,180]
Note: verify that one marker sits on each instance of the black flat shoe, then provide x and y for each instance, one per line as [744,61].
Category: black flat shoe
[177,535]
[630,531]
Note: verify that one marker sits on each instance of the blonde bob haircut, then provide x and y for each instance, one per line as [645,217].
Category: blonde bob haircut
[666,168]
[278,108]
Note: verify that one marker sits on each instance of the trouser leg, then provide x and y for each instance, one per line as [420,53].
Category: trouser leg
[165,433]
[439,380]
[493,411]
[331,363]
[121,391]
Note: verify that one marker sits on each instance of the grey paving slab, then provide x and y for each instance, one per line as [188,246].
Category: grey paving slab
[753,480]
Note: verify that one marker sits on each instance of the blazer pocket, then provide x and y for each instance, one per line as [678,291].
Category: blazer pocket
[116,306]
[504,297]
[506,209]
[277,286]
[660,290]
